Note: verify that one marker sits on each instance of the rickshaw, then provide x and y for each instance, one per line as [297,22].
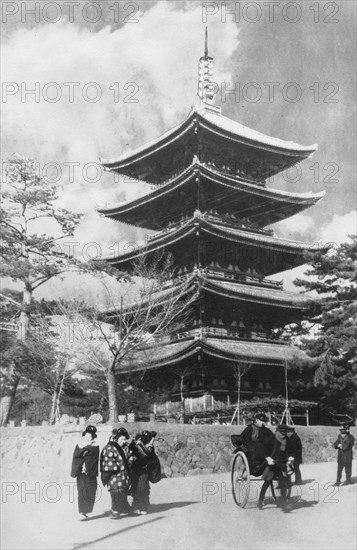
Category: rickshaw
[242,474]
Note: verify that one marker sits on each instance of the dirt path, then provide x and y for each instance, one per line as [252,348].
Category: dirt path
[192,512]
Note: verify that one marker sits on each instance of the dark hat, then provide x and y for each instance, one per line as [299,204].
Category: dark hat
[261,416]
[283,428]
[118,432]
[90,430]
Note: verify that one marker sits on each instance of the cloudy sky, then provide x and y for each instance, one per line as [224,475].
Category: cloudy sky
[108,76]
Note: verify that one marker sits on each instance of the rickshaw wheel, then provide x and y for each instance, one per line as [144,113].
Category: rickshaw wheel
[240,479]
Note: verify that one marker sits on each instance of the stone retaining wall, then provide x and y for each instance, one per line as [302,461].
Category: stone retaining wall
[45,453]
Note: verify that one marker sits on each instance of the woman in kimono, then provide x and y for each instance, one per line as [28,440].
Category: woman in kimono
[114,470]
[85,469]
[144,468]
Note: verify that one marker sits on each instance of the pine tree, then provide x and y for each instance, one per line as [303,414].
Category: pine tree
[333,350]
[28,257]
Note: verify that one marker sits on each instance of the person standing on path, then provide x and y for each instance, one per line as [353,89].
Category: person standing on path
[344,445]
[144,468]
[277,468]
[85,469]
[294,449]
[114,471]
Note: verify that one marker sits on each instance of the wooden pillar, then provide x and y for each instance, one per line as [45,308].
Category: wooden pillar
[307,417]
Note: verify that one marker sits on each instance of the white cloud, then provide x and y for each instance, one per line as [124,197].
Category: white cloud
[339,228]
[159,55]
[297,227]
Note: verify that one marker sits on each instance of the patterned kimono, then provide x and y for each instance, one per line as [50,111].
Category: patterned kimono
[115,476]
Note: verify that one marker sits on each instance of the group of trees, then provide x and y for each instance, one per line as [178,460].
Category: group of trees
[54,345]
[329,375]
[68,351]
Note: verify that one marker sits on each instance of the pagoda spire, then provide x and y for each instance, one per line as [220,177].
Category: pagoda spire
[206,86]
[206,44]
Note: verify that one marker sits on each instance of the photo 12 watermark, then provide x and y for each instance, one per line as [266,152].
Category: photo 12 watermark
[271,11]
[70,92]
[73,12]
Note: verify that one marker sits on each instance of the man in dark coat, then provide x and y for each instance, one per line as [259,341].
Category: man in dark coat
[276,468]
[344,445]
[259,443]
[294,450]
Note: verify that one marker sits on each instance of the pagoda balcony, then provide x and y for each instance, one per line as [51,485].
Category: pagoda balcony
[230,220]
[215,167]
[234,274]
[239,223]
[230,274]
[221,332]
[236,173]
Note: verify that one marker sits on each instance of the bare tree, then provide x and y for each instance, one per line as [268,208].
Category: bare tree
[240,369]
[128,330]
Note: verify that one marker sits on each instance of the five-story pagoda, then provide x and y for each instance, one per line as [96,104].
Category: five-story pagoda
[210,208]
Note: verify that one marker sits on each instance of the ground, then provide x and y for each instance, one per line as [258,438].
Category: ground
[189,512]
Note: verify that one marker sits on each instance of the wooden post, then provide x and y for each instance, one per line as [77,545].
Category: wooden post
[307,417]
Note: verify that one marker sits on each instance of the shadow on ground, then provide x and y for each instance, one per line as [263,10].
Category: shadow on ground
[77,546]
[298,505]
[164,506]
[306,481]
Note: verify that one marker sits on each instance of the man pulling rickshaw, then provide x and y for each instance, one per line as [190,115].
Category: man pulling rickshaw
[259,452]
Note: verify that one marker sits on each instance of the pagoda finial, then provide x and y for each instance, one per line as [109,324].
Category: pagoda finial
[206,43]
[206,85]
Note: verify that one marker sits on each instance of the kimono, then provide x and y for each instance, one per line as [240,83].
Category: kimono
[144,468]
[85,469]
[115,475]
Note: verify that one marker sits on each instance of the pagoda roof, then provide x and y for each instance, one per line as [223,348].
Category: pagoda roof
[276,254]
[150,161]
[232,290]
[255,293]
[159,355]
[227,193]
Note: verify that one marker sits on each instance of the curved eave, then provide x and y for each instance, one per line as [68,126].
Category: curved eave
[221,232]
[217,125]
[127,211]
[159,298]
[152,146]
[226,289]
[158,355]
[255,294]
[229,128]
